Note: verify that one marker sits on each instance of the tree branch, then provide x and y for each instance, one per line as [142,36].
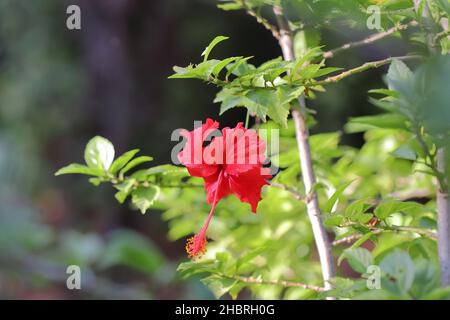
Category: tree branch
[443,209]
[297,195]
[283,283]
[260,19]
[309,180]
[364,67]
[428,233]
[371,39]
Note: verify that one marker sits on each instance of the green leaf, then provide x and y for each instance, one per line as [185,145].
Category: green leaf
[204,69]
[328,206]
[385,121]
[223,64]
[438,294]
[183,73]
[361,240]
[333,220]
[400,78]
[400,270]
[99,153]
[326,71]
[386,92]
[121,161]
[309,71]
[128,248]
[356,208]
[279,111]
[386,208]
[135,162]
[76,168]
[95,181]
[230,98]
[124,189]
[388,241]
[230,6]
[144,197]
[121,196]
[405,152]
[164,169]
[358,258]
[213,43]
[218,285]
[188,269]
[234,68]
[426,278]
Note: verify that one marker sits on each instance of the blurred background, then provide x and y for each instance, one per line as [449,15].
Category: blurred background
[60,87]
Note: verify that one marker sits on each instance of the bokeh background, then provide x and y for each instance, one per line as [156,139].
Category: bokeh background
[60,87]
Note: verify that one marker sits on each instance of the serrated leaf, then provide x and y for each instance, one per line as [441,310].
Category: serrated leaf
[309,71]
[356,208]
[386,208]
[188,269]
[223,64]
[234,67]
[208,49]
[99,153]
[218,285]
[144,197]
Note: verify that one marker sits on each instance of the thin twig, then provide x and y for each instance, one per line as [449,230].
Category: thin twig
[364,67]
[304,149]
[371,39]
[428,233]
[297,195]
[283,283]
[260,19]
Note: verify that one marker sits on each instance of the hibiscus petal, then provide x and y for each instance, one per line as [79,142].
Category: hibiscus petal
[212,184]
[247,186]
[192,154]
[243,148]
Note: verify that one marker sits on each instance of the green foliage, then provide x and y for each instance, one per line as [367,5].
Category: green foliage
[143,185]
[268,90]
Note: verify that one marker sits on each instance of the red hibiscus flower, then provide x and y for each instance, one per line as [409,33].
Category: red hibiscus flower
[232,163]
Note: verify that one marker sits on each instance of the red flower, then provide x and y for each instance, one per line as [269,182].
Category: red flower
[231,164]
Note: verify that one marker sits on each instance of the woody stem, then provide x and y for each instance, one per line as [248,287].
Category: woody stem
[309,180]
